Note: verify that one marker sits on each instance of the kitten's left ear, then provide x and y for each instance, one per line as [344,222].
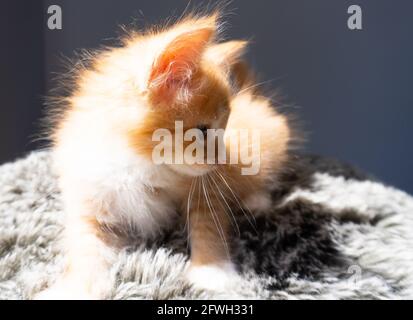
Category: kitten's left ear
[227,53]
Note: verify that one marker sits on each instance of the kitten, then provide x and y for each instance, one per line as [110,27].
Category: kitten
[103,146]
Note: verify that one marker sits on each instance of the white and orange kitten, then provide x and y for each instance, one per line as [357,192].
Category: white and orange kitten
[102,151]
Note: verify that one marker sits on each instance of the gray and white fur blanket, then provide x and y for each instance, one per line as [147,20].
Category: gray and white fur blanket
[333,233]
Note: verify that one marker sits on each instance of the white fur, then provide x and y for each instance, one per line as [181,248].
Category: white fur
[120,185]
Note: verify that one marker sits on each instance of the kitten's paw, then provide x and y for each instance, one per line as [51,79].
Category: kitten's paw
[62,291]
[215,277]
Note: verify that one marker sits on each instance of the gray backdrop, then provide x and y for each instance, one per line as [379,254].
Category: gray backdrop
[351,89]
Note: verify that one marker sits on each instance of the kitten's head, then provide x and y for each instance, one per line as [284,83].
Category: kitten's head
[187,78]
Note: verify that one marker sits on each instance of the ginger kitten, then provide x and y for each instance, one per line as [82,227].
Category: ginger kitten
[103,153]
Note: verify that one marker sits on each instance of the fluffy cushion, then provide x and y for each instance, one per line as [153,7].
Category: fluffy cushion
[333,233]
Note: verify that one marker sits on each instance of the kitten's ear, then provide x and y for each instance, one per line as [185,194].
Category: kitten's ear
[227,53]
[174,67]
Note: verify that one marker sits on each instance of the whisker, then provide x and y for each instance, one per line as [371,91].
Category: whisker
[250,218]
[214,217]
[188,205]
[255,85]
[232,217]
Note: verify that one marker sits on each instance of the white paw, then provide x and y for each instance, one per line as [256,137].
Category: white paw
[215,277]
[64,291]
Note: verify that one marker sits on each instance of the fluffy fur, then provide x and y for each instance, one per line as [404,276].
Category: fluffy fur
[102,147]
[333,233]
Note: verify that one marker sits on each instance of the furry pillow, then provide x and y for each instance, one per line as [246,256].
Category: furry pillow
[333,233]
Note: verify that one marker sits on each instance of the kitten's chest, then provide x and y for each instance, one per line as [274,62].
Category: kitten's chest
[146,201]
[123,187]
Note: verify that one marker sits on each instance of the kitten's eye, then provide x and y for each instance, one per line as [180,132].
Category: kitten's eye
[204,128]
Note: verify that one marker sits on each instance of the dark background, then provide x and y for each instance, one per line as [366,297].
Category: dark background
[352,89]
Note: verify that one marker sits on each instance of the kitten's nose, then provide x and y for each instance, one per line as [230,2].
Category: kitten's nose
[204,130]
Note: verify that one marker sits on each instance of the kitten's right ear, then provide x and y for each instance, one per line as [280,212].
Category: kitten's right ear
[173,69]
